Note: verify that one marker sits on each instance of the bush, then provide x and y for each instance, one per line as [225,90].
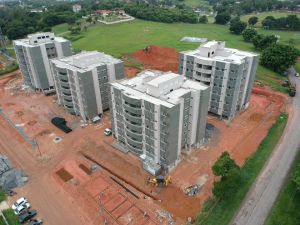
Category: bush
[237,26]
[261,42]
[12,67]
[279,57]
[222,18]
[249,34]
[203,19]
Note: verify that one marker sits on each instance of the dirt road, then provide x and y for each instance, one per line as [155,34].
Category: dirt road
[264,191]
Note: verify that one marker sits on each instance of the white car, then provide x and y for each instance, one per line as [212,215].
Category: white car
[297,74]
[20,205]
[107,132]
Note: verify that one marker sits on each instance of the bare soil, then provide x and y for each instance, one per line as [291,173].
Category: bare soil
[117,191]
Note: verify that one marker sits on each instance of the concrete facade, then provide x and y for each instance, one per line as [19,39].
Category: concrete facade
[157,114]
[81,82]
[33,56]
[229,72]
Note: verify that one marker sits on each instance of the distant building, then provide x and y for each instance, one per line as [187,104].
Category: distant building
[104,13]
[81,82]
[229,72]
[33,54]
[155,115]
[76,8]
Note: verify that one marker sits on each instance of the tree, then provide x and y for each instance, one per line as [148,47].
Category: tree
[229,172]
[261,42]
[252,20]
[222,18]
[249,34]
[296,177]
[224,165]
[293,22]
[203,19]
[279,57]
[237,26]
[269,22]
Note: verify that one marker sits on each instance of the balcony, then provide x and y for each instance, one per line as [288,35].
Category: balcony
[68,104]
[137,128]
[65,97]
[131,134]
[65,87]
[66,92]
[135,119]
[133,110]
[63,77]
[205,79]
[132,101]
[64,83]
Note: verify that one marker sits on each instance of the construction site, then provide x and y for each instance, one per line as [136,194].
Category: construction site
[82,178]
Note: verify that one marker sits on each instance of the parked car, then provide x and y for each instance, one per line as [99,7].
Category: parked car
[297,74]
[107,131]
[35,222]
[20,205]
[27,216]
[20,209]
[61,123]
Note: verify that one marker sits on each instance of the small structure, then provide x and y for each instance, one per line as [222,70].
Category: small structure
[104,13]
[76,8]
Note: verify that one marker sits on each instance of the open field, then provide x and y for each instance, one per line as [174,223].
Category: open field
[98,194]
[59,29]
[262,15]
[197,3]
[287,206]
[120,39]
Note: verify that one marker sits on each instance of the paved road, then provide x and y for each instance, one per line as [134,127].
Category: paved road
[263,193]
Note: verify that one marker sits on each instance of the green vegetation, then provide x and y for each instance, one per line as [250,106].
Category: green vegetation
[287,206]
[197,3]
[2,195]
[262,15]
[12,67]
[221,212]
[60,29]
[297,67]
[120,39]
[2,221]
[11,218]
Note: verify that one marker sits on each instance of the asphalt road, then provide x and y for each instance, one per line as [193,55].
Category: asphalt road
[263,193]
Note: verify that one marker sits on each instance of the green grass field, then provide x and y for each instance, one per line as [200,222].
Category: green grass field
[61,28]
[11,218]
[197,3]
[120,39]
[287,206]
[220,213]
[261,16]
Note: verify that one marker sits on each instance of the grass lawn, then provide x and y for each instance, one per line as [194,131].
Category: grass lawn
[220,213]
[287,206]
[61,28]
[297,67]
[120,39]
[2,195]
[197,3]
[11,218]
[2,221]
[261,16]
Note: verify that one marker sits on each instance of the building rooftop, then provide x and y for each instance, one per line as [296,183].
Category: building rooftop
[38,39]
[86,61]
[215,50]
[164,88]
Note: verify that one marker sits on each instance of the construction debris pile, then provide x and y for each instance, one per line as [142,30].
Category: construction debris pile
[9,176]
[192,190]
[164,215]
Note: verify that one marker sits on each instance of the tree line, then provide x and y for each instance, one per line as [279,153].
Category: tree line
[291,22]
[17,22]
[159,14]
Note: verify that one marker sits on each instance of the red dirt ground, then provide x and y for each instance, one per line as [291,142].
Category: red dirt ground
[240,137]
[158,58]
